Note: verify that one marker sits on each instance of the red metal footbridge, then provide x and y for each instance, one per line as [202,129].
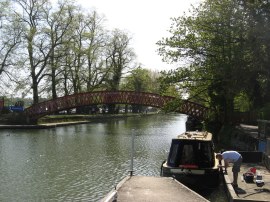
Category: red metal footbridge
[113,97]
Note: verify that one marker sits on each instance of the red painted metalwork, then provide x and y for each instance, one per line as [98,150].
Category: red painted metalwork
[115,97]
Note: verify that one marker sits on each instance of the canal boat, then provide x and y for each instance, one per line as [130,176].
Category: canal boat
[192,161]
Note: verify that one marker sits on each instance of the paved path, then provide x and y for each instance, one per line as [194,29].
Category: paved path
[153,189]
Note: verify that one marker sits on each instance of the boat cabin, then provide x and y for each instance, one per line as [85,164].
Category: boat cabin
[192,150]
[192,159]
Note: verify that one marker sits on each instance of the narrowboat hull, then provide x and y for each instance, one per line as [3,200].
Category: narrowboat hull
[202,178]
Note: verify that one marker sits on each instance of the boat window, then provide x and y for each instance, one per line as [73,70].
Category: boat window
[174,151]
[205,155]
[191,153]
[187,155]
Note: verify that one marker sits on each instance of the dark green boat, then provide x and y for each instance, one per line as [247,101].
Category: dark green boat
[192,160]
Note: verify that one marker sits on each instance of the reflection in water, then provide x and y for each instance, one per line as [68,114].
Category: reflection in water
[82,162]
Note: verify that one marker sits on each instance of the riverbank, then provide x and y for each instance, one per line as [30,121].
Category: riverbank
[53,121]
[42,126]
[248,189]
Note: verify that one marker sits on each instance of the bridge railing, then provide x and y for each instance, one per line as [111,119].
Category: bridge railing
[112,97]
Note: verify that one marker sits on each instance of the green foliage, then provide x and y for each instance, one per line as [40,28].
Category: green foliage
[119,57]
[264,112]
[170,91]
[59,49]
[227,47]
[242,102]
[141,80]
[173,105]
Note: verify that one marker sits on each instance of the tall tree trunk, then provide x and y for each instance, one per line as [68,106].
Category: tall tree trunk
[53,75]
[35,90]
[32,33]
[54,94]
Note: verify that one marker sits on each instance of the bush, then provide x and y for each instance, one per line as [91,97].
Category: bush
[264,113]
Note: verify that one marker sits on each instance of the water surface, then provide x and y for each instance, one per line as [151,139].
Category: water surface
[82,162]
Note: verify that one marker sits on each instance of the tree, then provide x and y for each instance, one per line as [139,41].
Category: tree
[58,23]
[32,17]
[95,71]
[217,39]
[10,39]
[119,56]
[140,80]
[258,85]
[59,49]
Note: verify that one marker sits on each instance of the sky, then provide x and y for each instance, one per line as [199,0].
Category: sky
[146,21]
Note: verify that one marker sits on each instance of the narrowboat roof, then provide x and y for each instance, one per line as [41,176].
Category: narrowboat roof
[195,135]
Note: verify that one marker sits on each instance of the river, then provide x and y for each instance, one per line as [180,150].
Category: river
[83,162]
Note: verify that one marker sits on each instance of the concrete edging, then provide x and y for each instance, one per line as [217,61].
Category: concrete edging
[112,195]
